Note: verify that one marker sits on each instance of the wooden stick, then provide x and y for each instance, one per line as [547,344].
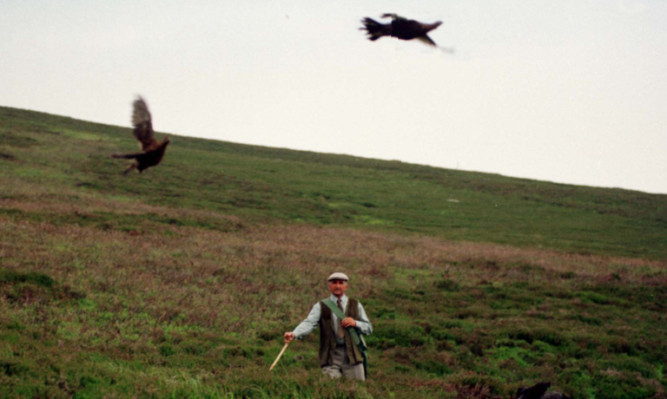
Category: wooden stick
[279,355]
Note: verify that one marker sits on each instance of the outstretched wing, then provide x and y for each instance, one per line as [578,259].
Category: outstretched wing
[143,127]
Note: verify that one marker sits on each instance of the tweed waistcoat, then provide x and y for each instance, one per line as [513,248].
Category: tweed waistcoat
[328,335]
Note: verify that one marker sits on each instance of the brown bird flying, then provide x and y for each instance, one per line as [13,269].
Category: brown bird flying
[152,150]
[401,28]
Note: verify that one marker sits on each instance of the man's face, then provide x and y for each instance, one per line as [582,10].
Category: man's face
[338,287]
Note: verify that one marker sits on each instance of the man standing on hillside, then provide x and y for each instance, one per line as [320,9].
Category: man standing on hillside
[342,320]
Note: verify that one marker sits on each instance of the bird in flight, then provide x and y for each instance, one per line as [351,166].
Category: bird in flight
[152,150]
[539,391]
[399,27]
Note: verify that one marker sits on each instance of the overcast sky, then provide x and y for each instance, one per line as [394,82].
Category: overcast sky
[571,91]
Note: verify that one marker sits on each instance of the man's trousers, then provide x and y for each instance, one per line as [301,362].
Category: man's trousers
[341,366]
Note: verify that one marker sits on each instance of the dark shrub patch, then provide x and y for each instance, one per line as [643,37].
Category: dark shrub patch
[167,350]
[11,276]
[11,368]
[448,285]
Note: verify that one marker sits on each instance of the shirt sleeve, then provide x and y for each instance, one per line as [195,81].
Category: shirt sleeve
[363,324]
[309,323]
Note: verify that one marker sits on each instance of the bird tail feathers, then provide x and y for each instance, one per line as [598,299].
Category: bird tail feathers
[375,29]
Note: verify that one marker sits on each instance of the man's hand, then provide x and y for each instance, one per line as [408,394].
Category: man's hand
[289,337]
[348,322]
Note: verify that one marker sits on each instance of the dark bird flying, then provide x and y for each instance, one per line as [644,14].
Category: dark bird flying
[152,150]
[399,27]
[539,391]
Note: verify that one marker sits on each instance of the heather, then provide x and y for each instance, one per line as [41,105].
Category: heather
[180,282]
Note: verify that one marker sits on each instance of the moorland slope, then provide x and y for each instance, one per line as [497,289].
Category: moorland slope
[181,280]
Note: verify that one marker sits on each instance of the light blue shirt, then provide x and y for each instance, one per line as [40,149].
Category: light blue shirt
[312,320]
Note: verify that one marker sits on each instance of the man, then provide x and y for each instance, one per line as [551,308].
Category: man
[341,353]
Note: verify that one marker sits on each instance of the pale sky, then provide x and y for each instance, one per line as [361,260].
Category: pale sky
[571,91]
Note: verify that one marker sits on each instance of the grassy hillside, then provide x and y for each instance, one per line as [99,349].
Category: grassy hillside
[180,281]
[67,157]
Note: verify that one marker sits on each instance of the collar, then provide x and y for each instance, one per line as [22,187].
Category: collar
[343,299]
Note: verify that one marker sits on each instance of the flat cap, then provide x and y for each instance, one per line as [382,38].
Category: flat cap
[338,276]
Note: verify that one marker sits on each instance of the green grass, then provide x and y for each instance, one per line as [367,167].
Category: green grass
[180,282]
[261,183]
